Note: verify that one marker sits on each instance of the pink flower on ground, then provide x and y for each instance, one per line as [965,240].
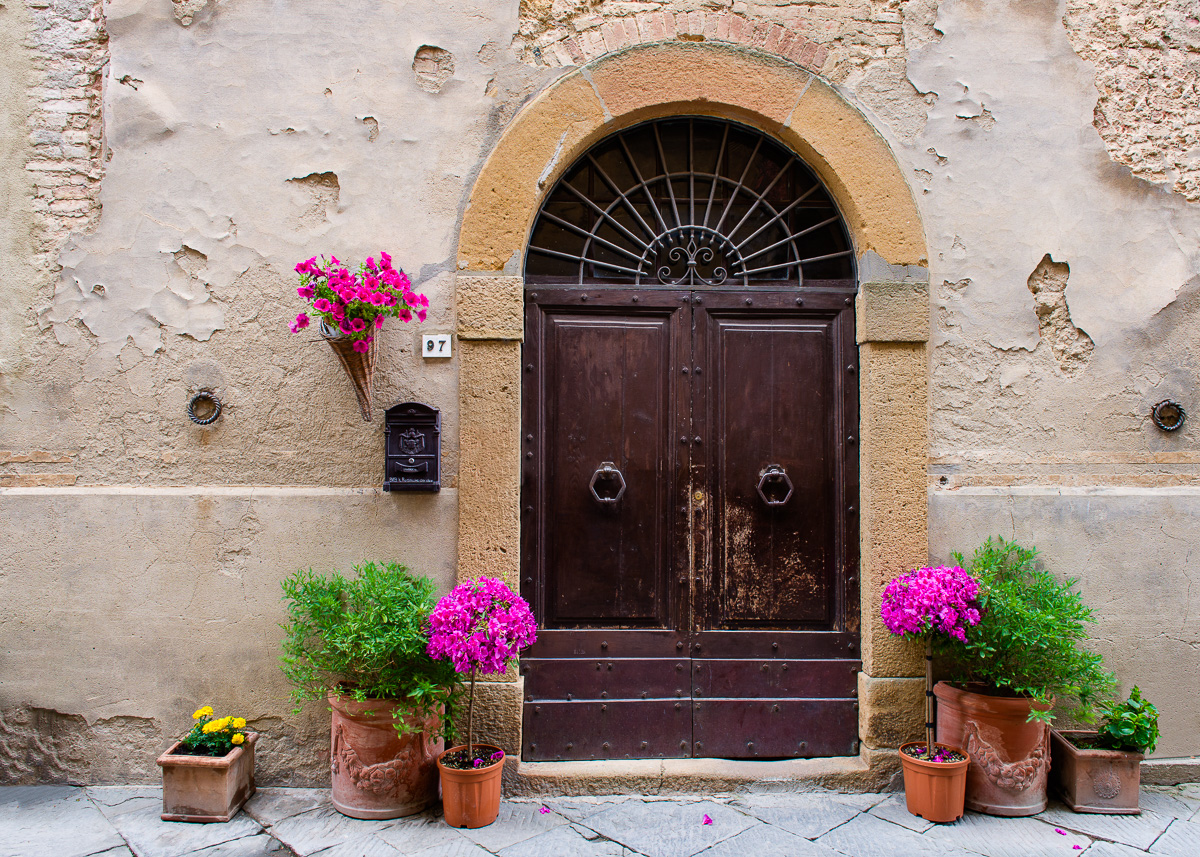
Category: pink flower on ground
[358,324]
[1060,831]
[362,346]
[707,820]
[1076,847]
[544,810]
[301,322]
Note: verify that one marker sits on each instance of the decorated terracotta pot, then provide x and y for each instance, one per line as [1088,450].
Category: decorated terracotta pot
[377,773]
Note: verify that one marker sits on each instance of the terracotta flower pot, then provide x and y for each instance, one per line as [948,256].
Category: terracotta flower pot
[207,788]
[934,790]
[1010,757]
[1094,780]
[471,798]
[377,773]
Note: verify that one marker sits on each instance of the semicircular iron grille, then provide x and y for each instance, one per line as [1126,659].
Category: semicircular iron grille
[689,202]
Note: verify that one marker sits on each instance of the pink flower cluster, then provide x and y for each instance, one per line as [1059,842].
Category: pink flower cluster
[480,625]
[356,302]
[931,600]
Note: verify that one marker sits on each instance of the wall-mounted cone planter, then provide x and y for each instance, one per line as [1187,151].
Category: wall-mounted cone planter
[359,365]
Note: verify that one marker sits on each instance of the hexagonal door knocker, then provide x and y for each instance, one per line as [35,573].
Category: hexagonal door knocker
[607,485]
[774,486]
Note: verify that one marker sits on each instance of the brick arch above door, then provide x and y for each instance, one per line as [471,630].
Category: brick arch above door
[860,171]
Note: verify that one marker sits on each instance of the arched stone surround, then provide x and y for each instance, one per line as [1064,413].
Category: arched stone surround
[856,164]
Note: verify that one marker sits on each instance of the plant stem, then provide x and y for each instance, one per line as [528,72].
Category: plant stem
[929,697]
[470,714]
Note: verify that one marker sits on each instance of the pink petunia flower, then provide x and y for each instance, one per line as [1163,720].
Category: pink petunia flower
[378,322]
[305,292]
[362,346]
[358,324]
[322,305]
[300,323]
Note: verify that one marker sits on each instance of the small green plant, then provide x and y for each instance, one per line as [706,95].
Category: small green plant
[1031,636]
[213,736]
[366,638]
[1131,725]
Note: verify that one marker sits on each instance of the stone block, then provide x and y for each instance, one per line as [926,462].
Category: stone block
[891,711]
[489,307]
[497,715]
[892,312]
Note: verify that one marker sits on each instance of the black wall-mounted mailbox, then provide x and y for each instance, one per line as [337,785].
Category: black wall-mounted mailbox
[412,446]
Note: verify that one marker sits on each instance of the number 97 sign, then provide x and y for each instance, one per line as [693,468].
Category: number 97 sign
[435,345]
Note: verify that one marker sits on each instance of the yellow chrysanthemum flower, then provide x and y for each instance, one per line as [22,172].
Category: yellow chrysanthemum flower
[239,723]
[238,738]
[206,711]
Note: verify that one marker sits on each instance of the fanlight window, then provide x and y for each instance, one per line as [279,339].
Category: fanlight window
[689,202]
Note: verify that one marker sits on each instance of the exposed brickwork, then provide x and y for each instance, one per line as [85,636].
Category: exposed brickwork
[1147,58]
[66,127]
[831,38]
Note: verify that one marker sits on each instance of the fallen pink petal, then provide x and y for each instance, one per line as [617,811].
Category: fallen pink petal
[1060,831]
[707,820]
[1077,847]
[544,810]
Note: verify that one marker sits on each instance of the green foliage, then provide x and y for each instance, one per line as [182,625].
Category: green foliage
[1131,725]
[1030,639]
[366,638]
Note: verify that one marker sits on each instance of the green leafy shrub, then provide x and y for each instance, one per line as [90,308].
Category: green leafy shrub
[1131,725]
[365,638]
[1030,640]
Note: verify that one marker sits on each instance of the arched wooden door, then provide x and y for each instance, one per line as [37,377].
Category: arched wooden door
[690,412]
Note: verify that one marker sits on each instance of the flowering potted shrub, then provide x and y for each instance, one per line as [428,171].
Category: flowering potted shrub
[208,773]
[1027,653]
[360,644]
[1101,771]
[479,626]
[925,603]
[351,306]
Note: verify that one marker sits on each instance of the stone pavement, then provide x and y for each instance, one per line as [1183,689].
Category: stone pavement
[118,821]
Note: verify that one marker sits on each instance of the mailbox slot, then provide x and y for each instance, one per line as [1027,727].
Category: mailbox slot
[412,443]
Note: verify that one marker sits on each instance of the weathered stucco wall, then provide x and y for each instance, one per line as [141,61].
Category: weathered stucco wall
[164,166]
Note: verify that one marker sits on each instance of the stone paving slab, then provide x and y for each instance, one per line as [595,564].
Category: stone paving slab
[1138,831]
[1181,839]
[53,821]
[148,835]
[67,821]
[668,828]
[806,816]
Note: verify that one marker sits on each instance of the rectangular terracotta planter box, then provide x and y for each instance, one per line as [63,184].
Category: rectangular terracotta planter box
[1089,780]
[207,788]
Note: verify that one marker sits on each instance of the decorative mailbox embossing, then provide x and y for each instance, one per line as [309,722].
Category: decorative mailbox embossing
[412,448]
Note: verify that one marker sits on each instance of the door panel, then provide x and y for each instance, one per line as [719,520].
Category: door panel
[772,728]
[773,564]
[608,401]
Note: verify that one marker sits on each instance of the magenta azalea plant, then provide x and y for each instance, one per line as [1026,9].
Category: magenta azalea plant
[479,626]
[355,303]
[926,602]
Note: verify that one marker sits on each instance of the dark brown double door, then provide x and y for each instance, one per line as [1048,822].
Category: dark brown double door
[689,536]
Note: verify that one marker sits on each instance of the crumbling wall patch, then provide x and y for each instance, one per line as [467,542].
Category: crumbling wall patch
[1072,347]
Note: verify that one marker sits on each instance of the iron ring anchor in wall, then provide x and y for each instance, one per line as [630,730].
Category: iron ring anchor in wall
[1168,415]
[607,484]
[204,400]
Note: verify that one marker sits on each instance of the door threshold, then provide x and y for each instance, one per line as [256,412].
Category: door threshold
[870,771]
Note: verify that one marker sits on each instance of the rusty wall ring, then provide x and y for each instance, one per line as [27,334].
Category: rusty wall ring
[202,398]
[1168,415]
